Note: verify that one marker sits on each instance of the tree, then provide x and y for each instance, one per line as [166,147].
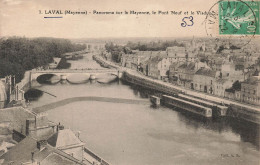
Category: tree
[20,54]
[220,49]
[236,85]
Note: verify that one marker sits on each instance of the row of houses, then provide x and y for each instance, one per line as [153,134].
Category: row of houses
[183,67]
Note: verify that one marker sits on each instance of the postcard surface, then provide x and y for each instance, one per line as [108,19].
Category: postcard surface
[129,82]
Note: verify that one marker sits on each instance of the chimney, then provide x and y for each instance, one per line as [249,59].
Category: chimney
[41,144]
[32,157]
[30,125]
[60,127]
[78,134]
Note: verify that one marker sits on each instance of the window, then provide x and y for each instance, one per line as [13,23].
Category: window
[254,92]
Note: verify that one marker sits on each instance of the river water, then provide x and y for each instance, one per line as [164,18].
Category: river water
[136,134]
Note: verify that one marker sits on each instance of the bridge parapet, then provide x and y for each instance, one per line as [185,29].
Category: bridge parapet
[75,71]
[67,72]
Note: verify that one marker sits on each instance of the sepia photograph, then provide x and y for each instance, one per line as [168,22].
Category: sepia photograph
[129,82]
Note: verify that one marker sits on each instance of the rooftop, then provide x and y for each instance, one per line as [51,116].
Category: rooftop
[64,138]
[252,80]
[22,153]
[188,67]
[206,72]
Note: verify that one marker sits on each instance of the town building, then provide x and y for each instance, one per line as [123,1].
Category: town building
[54,63]
[184,73]
[65,140]
[26,123]
[173,69]
[34,152]
[138,58]
[40,141]
[158,67]
[3,94]
[250,90]
[220,86]
[179,54]
[204,80]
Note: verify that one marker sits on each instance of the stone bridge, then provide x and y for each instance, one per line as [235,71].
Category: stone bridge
[64,73]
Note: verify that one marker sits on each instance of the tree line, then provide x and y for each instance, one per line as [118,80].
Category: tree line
[153,46]
[20,54]
[117,50]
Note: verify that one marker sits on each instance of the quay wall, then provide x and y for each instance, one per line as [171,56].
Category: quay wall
[234,110]
[149,83]
[244,113]
[104,63]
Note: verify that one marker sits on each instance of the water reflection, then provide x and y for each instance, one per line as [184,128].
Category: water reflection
[33,94]
[48,79]
[249,132]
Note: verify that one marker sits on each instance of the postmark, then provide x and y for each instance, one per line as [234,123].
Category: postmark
[238,17]
[233,20]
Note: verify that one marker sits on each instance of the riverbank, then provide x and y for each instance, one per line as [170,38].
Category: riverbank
[235,109]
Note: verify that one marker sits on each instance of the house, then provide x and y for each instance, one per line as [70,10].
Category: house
[220,86]
[144,67]
[33,152]
[55,63]
[228,70]
[215,62]
[158,67]
[173,69]
[135,59]
[3,94]
[153,67]
[65,140]
[250,90]
[184,73]
[204,80]
[42,144]
[26,123]
[179,54]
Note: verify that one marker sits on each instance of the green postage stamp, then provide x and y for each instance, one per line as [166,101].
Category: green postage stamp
[239,17]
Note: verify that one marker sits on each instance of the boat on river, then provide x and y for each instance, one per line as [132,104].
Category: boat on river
[155,100]
[187,106]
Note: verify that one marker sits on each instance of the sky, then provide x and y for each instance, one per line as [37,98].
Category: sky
[22,18]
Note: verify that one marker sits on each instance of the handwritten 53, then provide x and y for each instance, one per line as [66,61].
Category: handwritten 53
[187,21]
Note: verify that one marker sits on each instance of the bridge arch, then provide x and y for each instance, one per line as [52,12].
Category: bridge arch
[48,78]
[78,78]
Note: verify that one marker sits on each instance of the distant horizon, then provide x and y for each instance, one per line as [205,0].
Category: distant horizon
[104,37]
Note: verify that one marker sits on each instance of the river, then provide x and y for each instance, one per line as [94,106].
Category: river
[138,134]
